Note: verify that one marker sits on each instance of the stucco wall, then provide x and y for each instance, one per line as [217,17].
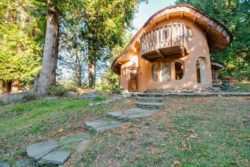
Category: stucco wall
[197,47]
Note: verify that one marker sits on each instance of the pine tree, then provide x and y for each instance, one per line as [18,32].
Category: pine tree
[20,34]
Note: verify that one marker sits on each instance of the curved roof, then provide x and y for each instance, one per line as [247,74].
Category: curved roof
[219,37]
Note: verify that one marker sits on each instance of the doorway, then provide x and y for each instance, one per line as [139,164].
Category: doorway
[132,77]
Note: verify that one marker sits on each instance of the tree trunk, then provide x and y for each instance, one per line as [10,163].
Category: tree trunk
[47,76]
[6,86]
[91,73]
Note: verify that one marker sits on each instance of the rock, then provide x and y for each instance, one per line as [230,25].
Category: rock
[4,164]
[101,125]
[55,157]
[149,106]
[226,86]
[38,150]
[25,163]
[89,96]
[70,94]
[13,98]
[130,114]
[117,98]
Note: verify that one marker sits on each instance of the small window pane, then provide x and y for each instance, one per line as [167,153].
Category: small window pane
[166,72]
[155,69]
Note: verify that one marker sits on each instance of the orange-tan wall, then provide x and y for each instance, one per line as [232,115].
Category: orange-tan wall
[198,47]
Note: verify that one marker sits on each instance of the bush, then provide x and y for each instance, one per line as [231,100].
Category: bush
[57,90]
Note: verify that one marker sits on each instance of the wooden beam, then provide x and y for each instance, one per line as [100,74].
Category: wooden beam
[159,53]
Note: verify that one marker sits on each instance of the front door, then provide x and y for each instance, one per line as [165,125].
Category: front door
[133,79]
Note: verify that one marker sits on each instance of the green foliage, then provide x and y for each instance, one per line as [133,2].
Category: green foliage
[57,90]
[110,82]
[21,34]
[235,15]
[105,26]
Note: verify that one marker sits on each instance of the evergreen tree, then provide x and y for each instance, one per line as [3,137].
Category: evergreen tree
[20,33]
[105,24]
[55,10]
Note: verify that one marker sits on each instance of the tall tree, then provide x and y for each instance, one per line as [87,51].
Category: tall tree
[21,34]
[56,9]
[105,23]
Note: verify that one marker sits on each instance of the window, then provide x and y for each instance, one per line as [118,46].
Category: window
[179,70]
[166,72]
[201,71]
[155,71]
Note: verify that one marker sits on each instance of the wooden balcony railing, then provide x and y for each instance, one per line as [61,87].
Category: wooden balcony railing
[168,40]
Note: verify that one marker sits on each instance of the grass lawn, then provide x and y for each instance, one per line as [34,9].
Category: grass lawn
[189,132]
[243,87]
[25,123]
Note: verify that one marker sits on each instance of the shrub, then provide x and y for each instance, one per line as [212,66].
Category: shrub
[57,90]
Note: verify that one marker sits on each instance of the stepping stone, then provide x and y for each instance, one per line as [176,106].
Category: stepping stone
[25,163]
[149,99]
[38,150]
[74,138]
[131,114]
[55,157]
[101,125]
[4,164]
[147,105]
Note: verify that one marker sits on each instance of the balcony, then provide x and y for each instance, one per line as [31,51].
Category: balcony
[170,41]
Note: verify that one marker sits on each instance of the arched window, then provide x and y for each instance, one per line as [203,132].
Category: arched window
[179,70]
[201,71]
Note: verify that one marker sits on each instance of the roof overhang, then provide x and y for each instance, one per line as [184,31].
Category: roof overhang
[219,37]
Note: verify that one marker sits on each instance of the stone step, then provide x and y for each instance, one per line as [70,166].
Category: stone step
[55,157]
[193,94]
[102,125]
[149,99]
[150,95]
[38,150]
[131,114]
[147,105]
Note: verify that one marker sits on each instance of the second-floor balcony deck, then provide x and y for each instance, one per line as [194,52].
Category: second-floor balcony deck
[167,41]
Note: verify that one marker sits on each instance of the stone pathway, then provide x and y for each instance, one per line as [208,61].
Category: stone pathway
[102,125]
[55,157]
[130,114]
[38,150]
[57,152]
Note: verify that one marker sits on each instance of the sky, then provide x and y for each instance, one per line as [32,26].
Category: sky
[145,11]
